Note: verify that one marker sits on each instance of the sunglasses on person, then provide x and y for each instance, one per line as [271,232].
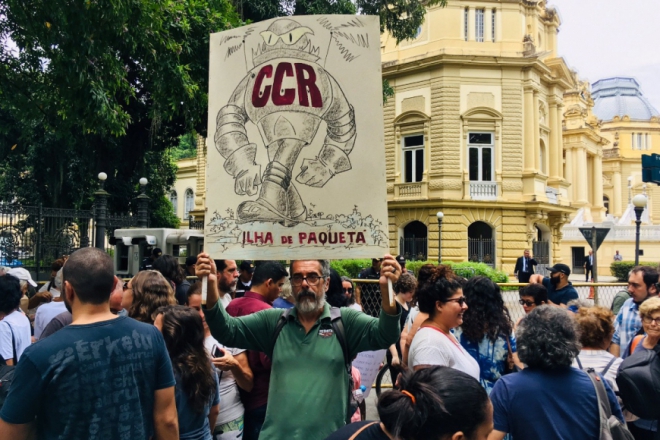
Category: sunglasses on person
[348,290]
[460,300]
[526,303]
[125,286]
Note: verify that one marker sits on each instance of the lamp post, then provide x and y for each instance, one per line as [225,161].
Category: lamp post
[440,216]
[101,212]
[639,201]
[143,203]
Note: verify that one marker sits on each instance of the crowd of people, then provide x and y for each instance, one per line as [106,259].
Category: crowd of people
[97,357]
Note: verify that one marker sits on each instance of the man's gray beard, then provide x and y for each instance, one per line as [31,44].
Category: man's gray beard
[308,305]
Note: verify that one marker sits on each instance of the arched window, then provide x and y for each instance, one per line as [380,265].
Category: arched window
[413,244]
[189,203]
[174,201]
[481,244]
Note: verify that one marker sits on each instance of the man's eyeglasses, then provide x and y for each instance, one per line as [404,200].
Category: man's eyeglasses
[526,303]
[125,286]
[312,279]
[348,290]
[460,300]
[648,320]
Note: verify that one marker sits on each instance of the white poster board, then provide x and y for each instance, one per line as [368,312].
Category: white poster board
[368,362]
[296,157]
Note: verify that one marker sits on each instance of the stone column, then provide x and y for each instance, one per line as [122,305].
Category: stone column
[598,188]
[615,203]
[528,114]
[555,150]
[581,182]
[569,174]
[537,134]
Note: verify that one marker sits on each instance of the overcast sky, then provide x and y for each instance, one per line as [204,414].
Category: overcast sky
[606,38]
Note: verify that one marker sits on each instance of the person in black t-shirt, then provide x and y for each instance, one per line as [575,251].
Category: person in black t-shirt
[432,403]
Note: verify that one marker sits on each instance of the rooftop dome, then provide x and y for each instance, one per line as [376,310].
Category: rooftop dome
[620,97]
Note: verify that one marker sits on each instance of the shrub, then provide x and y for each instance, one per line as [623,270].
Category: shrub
[620,269]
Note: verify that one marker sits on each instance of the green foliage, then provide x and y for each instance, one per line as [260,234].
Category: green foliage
[100,86]
[162,215]
[620,269]
[186,148]
[388,91]
[351,268]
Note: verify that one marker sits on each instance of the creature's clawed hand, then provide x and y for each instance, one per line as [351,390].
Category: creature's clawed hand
[314,173]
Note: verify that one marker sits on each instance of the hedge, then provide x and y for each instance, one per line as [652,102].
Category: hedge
[621,269]
[351,268]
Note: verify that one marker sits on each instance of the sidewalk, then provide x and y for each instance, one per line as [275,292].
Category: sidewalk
[579,278]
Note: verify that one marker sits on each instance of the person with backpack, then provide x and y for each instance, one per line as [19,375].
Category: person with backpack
[647,347]
[563,402]
[310,345]
[14,325]
[596,326]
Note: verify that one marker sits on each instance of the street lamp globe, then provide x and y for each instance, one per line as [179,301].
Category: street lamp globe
[102,176]
[639,201]
[440,215]
[143,181]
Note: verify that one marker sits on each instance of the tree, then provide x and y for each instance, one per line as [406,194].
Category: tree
[96,86]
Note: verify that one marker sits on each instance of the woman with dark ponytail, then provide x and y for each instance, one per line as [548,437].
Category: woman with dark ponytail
[436,403]
[197,393]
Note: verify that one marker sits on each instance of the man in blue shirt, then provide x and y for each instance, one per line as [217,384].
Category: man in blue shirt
[642,284]
[560,290]
[102,376]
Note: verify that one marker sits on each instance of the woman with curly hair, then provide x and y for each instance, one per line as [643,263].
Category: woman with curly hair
[562,399]
[349,290]
[437,403]
[443,302]
[197,395]
[487,330]
[145,293]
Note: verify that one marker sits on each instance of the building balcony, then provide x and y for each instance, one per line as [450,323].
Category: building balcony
[411,191]
[484,190]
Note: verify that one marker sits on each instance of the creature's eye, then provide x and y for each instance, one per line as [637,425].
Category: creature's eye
[270,38]
[293,36]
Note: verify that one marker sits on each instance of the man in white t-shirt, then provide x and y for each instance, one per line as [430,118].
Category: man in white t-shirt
[46,312]
[12,321]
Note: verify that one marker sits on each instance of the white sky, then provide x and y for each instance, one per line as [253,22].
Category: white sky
[606,38]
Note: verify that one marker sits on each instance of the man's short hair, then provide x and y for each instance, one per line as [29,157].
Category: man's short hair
[220,265]
[325,266]
[10,294]
[536,291]
[649,274]
[268,270]
[90,272]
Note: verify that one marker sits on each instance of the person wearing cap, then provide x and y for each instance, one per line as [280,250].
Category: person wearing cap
[560,290]
[15,331]
[373,272]
[26,283]
[402,262]
[245,271]
[148,262]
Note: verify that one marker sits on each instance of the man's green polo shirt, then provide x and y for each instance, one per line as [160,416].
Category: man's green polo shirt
[308,392]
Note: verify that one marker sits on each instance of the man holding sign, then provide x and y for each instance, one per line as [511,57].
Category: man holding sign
[308,395]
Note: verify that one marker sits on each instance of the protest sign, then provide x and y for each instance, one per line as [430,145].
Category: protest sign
[296,156]
[368,362]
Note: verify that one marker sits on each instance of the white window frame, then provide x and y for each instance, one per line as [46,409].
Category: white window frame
[189,202]
[466,24]
[174,200]
[492,25]
[480,148]
[414,150]
[479,25]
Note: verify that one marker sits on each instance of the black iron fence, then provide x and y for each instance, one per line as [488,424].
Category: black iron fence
[414,249]
[482,250]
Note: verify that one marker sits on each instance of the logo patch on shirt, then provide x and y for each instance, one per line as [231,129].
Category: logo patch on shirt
[325,332]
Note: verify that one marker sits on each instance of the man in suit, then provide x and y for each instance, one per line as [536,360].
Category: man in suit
[589,265]
[525,267]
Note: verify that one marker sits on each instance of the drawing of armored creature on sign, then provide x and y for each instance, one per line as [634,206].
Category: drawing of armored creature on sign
[288,118]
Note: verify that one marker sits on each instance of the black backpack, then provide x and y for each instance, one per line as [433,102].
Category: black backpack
[7,371]
[338,328]
[639,383]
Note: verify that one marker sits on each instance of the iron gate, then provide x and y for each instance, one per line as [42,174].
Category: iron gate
[414,249]
[482,250]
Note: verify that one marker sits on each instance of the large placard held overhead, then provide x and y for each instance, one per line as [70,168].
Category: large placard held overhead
[296,158]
